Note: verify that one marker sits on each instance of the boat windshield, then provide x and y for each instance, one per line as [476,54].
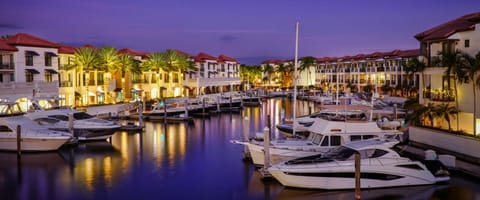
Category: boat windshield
[82,115]
[338,153]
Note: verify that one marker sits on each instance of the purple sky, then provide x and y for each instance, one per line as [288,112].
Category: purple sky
[249,30]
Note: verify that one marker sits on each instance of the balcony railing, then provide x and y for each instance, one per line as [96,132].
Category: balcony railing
[7,66]
[66,84]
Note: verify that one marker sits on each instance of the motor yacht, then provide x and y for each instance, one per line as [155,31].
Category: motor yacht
[34,137]
[380,167]
[85,126]
[323,134]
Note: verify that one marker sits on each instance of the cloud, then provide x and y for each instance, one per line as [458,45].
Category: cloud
[10,26]
[228,38]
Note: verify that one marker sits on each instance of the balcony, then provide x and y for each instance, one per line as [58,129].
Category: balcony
[66,84]
[439,95]
[7,66]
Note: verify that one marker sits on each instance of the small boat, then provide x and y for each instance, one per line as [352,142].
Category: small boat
[131,127]
[34,137]
[380,167]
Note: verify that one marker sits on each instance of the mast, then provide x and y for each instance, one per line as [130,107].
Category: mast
[295,77]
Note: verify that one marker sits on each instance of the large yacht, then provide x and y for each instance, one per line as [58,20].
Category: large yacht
[33,136]
[323,134]
[85,126]
[380,166]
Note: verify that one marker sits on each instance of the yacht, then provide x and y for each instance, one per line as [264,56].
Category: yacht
[85,126]
[323,135]
[34,137]
[380,167]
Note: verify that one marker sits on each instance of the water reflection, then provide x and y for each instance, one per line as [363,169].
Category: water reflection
[180,161]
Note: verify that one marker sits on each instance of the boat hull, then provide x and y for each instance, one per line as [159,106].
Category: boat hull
[279,154]
[343,177]
[33,144]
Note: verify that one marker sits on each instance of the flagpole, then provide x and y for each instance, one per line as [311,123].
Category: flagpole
[295,77]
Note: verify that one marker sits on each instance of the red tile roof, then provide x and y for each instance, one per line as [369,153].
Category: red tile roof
[201,57]
[443,31]
[272,61]
[183,53]
[23,39]
[409,53]
[223,58]
[132,52]
[63,49]
[6,47]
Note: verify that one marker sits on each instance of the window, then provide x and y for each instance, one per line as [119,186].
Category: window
[335,140]
[48,77]
[325,141]
[29,59]
[175,77]
[467,43]
[28,76]
[48,59]
[167,78]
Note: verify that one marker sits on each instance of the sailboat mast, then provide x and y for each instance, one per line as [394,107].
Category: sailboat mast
[295,78]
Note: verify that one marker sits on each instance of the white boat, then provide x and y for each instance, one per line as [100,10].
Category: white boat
[323,135]
[162,109]
[34,137]
[85,126]
[380,167]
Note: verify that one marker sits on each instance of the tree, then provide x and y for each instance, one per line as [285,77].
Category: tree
[85,59]
[468,73]
[268,71]
[452,60]
[306,63]
[414,66]
[285,69]
[445,111]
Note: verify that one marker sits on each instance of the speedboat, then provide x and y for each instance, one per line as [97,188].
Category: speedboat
[34,137]
[160,110]
[85,126]
[380,167]
[323,135]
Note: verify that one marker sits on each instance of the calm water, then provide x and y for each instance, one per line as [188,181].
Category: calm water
[180,161]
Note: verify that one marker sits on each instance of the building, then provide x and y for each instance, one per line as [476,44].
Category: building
[212,75]
[29,67]
[461,35]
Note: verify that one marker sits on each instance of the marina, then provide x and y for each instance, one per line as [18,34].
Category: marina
[165,160]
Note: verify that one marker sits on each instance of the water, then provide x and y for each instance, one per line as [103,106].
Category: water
[180,161]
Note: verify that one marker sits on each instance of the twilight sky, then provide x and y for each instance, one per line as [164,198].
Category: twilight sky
[249,30]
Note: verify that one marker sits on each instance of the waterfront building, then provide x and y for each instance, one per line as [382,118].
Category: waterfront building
[28,67]
[461,35]
[212,75]
[380,72]
[383,72]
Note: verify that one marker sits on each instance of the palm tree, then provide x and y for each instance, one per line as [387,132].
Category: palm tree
[306,63]
[452,60]
[470,68]
[413,66]
[268,71]
[285,69]
[110,61]
[85,59]
[154,62]
[445,111]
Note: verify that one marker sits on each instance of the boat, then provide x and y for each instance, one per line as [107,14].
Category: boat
[323,135]
[34,137]
[131,127]
[85,126]
[251,98]
[380,167]
[162,109]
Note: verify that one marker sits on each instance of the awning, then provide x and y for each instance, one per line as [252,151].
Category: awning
[33,53]
[33,71]
[117,90]
[51,54]
[51,71]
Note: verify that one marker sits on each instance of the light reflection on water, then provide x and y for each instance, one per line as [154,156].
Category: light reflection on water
[180,161]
